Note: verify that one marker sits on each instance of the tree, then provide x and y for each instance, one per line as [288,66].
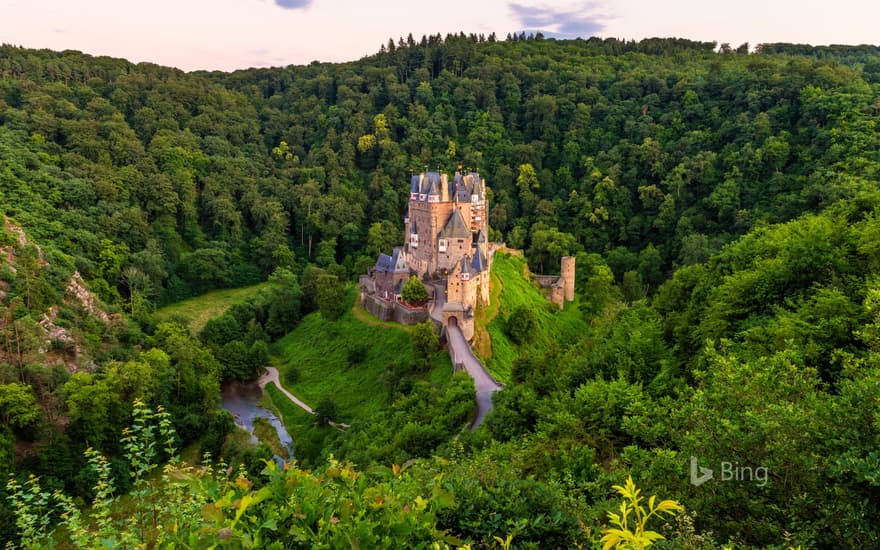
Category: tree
[325,411]
[236,359]
[284,309]
[30,279]
[18,406]
[382,237]
[521,324]
[330,297]
[425,341]
[414,292]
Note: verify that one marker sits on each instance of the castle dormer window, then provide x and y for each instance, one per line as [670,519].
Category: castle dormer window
[465,276]
[422,196]
[475,199]
[441,245]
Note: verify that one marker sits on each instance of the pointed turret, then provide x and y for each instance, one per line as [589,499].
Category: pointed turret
[479,264]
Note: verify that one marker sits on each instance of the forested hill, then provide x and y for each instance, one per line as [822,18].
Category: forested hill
[654,153]
[723,208]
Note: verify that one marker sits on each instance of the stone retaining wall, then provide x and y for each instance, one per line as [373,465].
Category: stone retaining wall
[393,311]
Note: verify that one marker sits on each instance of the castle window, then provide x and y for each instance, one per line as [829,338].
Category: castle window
[414,240]
[441,245]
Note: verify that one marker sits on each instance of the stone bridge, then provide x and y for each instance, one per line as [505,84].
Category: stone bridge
[462,357]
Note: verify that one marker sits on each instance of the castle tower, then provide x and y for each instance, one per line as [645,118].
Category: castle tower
[568,272]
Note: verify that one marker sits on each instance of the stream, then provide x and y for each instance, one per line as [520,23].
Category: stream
[241,400]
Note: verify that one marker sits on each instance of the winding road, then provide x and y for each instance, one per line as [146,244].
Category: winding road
[272,376]
[460,353]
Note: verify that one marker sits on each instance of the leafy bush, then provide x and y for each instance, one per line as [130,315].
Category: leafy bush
[521,324]
[414,292]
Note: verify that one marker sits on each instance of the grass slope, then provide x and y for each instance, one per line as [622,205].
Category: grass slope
[198,310]
[554,325]
[319,350]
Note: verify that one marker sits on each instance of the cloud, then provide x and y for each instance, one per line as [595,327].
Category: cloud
[293,4]
[566,23]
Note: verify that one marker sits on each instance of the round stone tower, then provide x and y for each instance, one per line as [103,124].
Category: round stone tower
[567,270]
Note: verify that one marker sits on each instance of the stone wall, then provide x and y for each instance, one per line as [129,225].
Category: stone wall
[393,311]
[546,281]
[557,296]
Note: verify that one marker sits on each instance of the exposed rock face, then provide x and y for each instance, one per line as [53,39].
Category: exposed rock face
[54,336]
[76,287]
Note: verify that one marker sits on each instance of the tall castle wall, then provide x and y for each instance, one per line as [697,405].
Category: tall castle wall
[429,219]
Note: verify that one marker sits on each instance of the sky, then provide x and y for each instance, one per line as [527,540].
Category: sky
[237,34]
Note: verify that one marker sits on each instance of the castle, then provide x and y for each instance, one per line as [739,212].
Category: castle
[446,235]
[446,241]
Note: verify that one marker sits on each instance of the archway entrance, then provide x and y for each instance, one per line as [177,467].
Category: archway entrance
[453,322]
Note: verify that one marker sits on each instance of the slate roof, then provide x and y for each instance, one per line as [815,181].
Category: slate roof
[479,263]
[392,263]
[464,186]
[455,227]
[467,267]
[431,183]
[385,264]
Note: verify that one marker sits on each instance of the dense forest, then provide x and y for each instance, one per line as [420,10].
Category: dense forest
[723,207]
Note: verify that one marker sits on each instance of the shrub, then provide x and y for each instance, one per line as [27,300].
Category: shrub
[414,292]
[521,325]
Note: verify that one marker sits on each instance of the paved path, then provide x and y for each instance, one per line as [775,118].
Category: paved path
[484,384]
[272,376]
[460,352]
[436,312]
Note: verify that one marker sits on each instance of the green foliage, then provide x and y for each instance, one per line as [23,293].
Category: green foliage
[630,525]
[357,353]
[18,406]
[735,192]
[318,350]
[414,291]
[551,328]
[206,307]
[330,297]
[325,411]
[425,341]
[521,324]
